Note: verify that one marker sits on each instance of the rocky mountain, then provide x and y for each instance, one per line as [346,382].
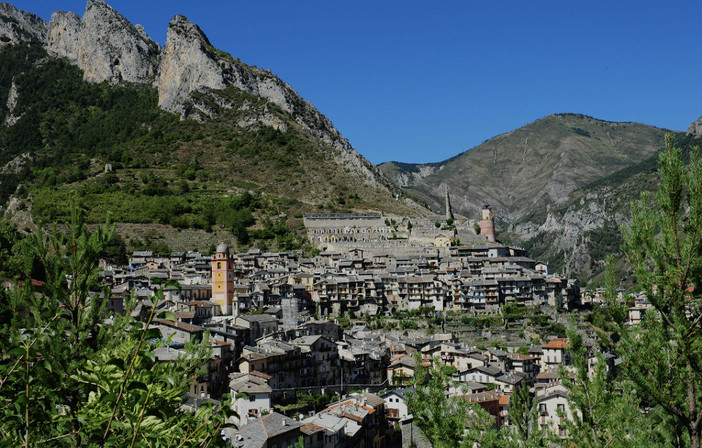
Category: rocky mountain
[104,45]
[166,135]
[19,26]
[540,164]
[188,72]
[189,140]
[560,186]
[695,128]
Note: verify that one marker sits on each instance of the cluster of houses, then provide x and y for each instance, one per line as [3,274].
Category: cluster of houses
[478,278]
[272,321]
[262,365]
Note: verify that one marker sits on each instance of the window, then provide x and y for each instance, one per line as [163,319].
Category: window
[219,265]
[252,397]
[542,409]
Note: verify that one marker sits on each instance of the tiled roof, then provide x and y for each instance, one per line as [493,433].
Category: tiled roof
[259,431]
[557,343]
[311,428]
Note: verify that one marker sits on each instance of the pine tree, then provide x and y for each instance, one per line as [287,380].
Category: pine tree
[442,419]
[663,243]
[523,412]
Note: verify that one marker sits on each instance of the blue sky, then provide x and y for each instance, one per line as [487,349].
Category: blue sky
[419,81]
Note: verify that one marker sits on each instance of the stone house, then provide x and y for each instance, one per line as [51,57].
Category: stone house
[555,353]
[251,396]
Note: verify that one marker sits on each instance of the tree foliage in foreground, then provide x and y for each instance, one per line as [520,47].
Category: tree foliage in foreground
[663,356]
[656,401]
[70,378]
[451,421]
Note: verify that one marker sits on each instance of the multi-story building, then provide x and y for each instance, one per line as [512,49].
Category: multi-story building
[555,353]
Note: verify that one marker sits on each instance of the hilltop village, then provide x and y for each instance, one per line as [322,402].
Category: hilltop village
[344,326]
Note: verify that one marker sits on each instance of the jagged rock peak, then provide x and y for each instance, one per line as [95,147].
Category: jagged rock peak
[186,66]
[190,63]
[20,26]
[181,25]
[105,45]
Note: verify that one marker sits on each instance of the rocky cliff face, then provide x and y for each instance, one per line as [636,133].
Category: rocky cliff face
[104,45]
[571,232]
[19,26]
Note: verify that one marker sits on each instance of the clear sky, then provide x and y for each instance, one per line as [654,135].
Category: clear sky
[420,81]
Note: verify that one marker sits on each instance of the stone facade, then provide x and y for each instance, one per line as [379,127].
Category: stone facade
[381,234]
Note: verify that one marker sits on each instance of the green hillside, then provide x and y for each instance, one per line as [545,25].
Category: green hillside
[253,181]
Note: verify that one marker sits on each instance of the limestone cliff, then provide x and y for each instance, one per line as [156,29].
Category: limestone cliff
[191,64]
[104,45]
[19,26]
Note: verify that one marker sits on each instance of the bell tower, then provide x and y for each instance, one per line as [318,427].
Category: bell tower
[223,280]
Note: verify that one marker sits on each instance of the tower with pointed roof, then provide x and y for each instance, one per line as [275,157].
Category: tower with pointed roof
[449,211]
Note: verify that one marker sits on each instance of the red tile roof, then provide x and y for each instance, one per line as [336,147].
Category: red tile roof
[557,343]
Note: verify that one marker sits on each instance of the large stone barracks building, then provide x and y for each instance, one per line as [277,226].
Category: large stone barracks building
[375,233]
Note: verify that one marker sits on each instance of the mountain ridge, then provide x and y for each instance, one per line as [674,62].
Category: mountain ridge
[184,137]
[495,166]
[191,130]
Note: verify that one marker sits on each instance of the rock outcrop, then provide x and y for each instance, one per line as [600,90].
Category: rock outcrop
[695,128]
[105,45]
[19,26]
[190,64]
[186,66]
[12,97]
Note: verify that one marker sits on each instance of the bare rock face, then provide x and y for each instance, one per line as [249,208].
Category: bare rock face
[105,45]
[190,64]
[19,26]
[186,67]
[12,97]
[695,128]
[64,36]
